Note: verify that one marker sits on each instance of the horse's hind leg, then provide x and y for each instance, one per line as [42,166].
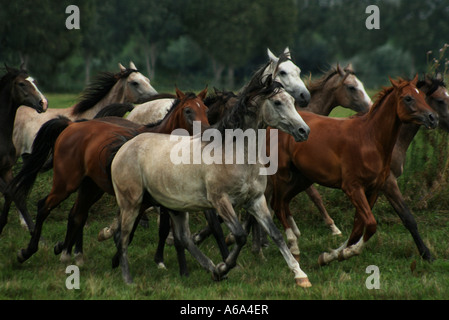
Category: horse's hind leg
[259,210]
[217,231]
[182,234]
[315,196]
[88,194]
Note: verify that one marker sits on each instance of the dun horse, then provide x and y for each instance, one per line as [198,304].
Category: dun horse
[81,160]
[16,88]
[353,155]
[198,187]
[127,86]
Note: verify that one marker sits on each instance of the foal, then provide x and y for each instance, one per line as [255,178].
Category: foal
[357,163]
[198,187]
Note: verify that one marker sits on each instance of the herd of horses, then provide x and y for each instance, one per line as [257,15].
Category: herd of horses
[93,149]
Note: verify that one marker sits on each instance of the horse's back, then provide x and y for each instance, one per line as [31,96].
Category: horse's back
[150,112]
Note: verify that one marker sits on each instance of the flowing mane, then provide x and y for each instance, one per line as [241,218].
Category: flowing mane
[433,86]
[315,85]
[98,89]
[259,86]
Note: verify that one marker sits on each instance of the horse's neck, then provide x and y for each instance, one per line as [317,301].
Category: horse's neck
[384,126]
[8,113]
[115,95]
[406,135]
[321,101]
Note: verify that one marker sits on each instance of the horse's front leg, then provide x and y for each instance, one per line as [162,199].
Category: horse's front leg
[259,210]
[394,196]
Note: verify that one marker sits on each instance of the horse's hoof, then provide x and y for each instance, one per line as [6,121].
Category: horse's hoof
[65,258]
[303,282]
[58,248]
[104,234]
[79,259]
[321,261]
[21,256]
[220,272]
[162,266]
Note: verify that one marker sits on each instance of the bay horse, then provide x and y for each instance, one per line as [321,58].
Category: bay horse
[351,154]
[219,185]
[126,86]
[81,158]
[282,69]
[16,88]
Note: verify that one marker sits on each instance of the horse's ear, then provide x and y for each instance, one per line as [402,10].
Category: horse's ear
[179,94]
[439,76]
[203,94]
[287,53]
[8,69]
[271,56]
[394,83]
[122,68]
[132,66]
[415,80]
[340,71]
[349,68]
[23,66]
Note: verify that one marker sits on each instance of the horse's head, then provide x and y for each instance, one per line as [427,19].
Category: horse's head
[350,92]
[278,111]
[437,97]
[284,71]
[137,87]
[190,108]
[412,106]
[24,90]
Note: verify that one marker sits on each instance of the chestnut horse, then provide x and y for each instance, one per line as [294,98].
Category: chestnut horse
[351,154]
[437,97]
[16,88]
[81,159]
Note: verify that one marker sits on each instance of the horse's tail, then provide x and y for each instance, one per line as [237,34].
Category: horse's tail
[43,145]
[115,110]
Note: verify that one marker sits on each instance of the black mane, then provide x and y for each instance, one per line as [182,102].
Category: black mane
[98,89]
[259,86]
[434,85]
[10,75]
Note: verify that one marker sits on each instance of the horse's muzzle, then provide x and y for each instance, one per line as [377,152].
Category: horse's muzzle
[301,134]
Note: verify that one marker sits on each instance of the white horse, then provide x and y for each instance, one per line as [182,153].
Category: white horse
[142,166]
[281,69]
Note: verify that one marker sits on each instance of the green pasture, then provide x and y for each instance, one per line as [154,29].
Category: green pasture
[403,275]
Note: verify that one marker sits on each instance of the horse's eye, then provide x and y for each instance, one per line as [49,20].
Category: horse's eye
[351,88]
[134,83]
[283,73]
[188,111]
[277,103]
[408,99]
[22,84]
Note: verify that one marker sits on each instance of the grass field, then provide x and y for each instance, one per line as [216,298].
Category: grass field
[403,275]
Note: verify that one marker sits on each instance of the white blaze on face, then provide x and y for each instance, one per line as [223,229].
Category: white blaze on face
[44,100]
[365,95]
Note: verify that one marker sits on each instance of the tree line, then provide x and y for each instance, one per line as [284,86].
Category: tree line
[193,42]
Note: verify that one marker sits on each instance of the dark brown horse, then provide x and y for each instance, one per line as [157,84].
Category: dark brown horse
[81,158]
[352,154]
[16,88]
